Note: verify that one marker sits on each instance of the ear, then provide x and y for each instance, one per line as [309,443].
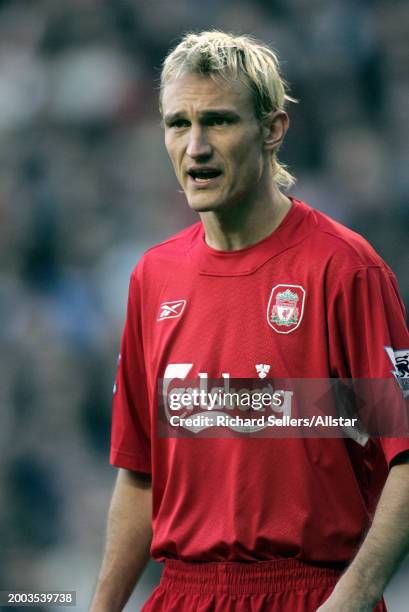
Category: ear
[275,126]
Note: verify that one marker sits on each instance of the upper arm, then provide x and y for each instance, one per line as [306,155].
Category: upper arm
[136,479]
[131,423]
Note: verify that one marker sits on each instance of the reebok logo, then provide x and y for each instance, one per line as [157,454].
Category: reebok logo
[171,310]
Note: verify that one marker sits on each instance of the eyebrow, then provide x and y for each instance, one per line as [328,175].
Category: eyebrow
[207,114]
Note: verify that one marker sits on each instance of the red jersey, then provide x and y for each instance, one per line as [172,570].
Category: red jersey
[312,300]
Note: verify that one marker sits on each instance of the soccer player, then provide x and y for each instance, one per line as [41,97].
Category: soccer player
[263,283]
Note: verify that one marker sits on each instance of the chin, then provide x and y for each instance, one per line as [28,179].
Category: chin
[206,206]
[200,207]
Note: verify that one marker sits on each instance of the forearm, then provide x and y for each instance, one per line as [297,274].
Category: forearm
[128,542]
[385,546]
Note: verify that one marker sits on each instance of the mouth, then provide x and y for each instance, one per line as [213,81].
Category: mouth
[204,177]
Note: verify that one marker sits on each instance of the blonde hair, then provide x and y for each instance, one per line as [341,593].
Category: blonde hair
[234,58]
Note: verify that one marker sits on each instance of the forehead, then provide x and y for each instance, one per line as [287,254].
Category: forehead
[195,93]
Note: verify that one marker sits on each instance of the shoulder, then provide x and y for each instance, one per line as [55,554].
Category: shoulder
[177,244]
[169,254]
[339,246]
[346,263]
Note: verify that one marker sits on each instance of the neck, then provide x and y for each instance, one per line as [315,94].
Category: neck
[242,226]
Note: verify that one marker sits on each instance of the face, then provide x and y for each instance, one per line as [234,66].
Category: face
[214,140]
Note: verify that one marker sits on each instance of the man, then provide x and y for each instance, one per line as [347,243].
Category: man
[262,283]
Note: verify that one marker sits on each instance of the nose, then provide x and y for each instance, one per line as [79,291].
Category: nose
[198,145]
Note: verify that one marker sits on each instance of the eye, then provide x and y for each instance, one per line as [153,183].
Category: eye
[179,123]
[218,121]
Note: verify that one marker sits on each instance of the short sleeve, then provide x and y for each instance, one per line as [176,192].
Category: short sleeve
[368,333]
[130,432]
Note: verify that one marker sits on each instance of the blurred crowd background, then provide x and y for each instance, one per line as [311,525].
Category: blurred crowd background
[86,187]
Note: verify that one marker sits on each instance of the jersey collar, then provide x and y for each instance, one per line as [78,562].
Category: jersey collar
[298,223]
